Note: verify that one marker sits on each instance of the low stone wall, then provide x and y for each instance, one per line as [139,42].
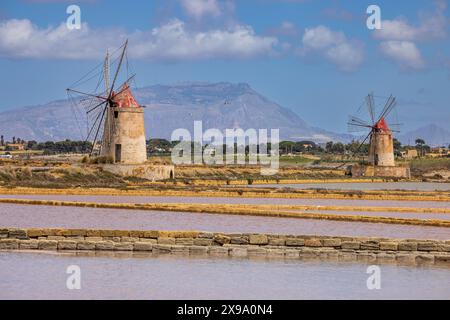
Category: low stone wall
[226,244]
[243,192]
[379,171]
[280,211]
[146,171]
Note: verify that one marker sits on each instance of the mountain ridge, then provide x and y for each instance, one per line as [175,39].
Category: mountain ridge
[432,134]
[221,105]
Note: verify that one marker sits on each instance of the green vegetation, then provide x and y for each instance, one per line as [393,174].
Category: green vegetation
[97,160]
[59,178]
[422,147]
[287,147]
[295,160]
[23,152]
[427,164]
[160,146]
[66,146]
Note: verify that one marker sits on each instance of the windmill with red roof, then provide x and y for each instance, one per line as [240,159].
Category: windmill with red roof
[117,120]
[381,144]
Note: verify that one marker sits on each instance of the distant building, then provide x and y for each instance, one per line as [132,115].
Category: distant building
[438,152]
[410,154]
[15,146]
[441,151]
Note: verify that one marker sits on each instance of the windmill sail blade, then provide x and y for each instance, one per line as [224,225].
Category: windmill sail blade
[99,127]
[389,108]
[371,107]
[94,125]
[128,80]
[118,69]
[86,94]
[356,124]
[124,88]
[359,125]
[356,129]
[95,107]
[386,107]
[364,141]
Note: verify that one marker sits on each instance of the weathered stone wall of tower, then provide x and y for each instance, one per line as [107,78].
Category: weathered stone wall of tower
[377,171]
[124,142]
[129,134]
[381,151]
[144,171]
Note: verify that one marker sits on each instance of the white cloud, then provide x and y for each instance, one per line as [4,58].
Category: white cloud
[400,38]
[172,41]
[405,53]
[333,46]
[201,8]
[432,25]
[22,39]
[286,28]
[347,56]
[321,38]
[399,29]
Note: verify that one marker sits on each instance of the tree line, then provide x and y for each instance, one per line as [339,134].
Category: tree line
[355,147]
[163,146]
[14,141]
[66,146]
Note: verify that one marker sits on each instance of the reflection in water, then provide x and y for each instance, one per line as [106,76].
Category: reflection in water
[404,215]
[31,216]
[43,276]
[236,200]
[414,186]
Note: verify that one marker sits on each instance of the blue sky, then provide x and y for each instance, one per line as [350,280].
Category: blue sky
[315,57]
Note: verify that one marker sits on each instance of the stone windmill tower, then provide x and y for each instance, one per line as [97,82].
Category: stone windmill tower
[119,120]
[381,150]
[124,131]
[381,144]
[115,121]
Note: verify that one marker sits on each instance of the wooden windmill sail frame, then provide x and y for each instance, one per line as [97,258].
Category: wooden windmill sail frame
[102,127]
[379,131]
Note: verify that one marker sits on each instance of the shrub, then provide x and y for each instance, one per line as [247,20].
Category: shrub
[101,160]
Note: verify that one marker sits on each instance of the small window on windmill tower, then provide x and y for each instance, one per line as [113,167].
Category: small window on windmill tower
[116,114]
